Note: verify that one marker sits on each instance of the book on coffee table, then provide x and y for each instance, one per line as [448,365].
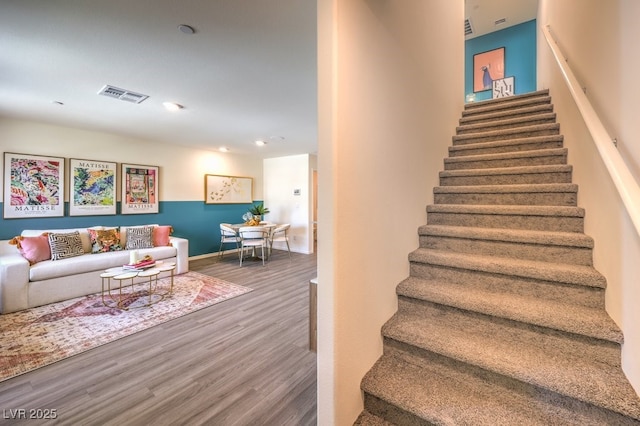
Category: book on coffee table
[139,266]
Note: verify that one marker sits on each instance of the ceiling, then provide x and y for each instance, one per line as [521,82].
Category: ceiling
[248,71]
[483,14]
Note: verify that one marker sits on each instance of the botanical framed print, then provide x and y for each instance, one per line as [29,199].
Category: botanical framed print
[92,187]
[139,189]
[33,186]
[227,189]
[487,67]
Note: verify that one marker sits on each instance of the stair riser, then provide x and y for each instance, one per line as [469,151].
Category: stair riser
[505,162]
[527,198]
[505,135]
[550,290]
[534,223]
[506,115]
[507,179]
[545,400]
[492,126]
[521,250]
[520,334]
[502,149]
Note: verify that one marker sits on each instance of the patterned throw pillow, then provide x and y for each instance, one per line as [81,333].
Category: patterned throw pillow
[64,246]
[34,249]
[161,235]
[104,240]
[139,237]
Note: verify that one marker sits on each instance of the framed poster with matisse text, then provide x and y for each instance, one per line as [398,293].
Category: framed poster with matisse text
[92,187]
[33,186]
[139,189]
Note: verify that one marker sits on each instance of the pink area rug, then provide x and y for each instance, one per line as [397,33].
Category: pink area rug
[40,336]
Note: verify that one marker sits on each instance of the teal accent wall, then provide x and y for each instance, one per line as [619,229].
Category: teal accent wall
[520,46]
[194,220]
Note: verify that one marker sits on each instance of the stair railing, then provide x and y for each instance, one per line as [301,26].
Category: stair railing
[623,180]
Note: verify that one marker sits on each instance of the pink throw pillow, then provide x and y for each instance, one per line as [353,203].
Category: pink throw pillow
[161,235]
[34,249]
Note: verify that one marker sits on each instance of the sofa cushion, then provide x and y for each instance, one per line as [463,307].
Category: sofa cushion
[34,249]
[92,262]
[139,238]
[64,246]
[103,240]
[84,234]
[161,235]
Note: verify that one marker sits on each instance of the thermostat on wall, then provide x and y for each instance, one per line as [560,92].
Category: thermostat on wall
[296,192]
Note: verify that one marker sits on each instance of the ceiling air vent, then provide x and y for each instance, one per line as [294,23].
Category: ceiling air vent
[468,29]
[500,21]
[122,94]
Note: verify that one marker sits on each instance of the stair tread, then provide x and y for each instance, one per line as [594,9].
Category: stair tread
[367,419]
[442,395]
[519,111]
[503,132]
[557,371]
[552,168]
[572,239]
[566,317]
[507,155]
[507,142]
[553,272]
[519,188]
[505,121]
[566,211]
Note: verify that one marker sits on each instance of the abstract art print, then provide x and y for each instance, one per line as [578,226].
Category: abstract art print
[487,67]
[92,187]
[139,189]
[227,189]
[33,186]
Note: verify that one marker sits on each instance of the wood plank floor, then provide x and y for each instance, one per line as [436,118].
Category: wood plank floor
[244,361]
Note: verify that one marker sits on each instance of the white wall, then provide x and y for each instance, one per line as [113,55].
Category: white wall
[282,176]
[182,169]
[600,40]
[390,95]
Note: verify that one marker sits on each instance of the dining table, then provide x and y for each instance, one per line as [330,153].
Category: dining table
[270,226]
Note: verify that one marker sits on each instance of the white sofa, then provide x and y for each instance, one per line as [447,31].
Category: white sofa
[25,286]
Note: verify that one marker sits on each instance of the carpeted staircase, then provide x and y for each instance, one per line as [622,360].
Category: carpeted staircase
[502,319]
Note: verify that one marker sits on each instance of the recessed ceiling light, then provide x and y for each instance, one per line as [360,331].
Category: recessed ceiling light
[57,103]
[223,149]
[260,143]
[187,29]
[172,106]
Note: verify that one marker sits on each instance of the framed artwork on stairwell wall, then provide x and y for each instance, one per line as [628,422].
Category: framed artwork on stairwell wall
[92,187]
[33,186]
[139,189]
[487,67]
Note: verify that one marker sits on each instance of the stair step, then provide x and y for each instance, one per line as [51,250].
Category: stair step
[547,194]
[506,123]
[367,419]
[555,247]
[556,173]
[511,103]
[565,274]
[502,352]
[582,325]
[515,133]
[550,218]
[509,113]
[509,145]
[437,392]
[540,157]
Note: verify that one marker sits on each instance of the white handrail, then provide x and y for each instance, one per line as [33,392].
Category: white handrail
[622,178]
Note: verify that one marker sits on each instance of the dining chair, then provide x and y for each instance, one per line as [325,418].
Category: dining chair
[279,234]
[228,235]
[254,236]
